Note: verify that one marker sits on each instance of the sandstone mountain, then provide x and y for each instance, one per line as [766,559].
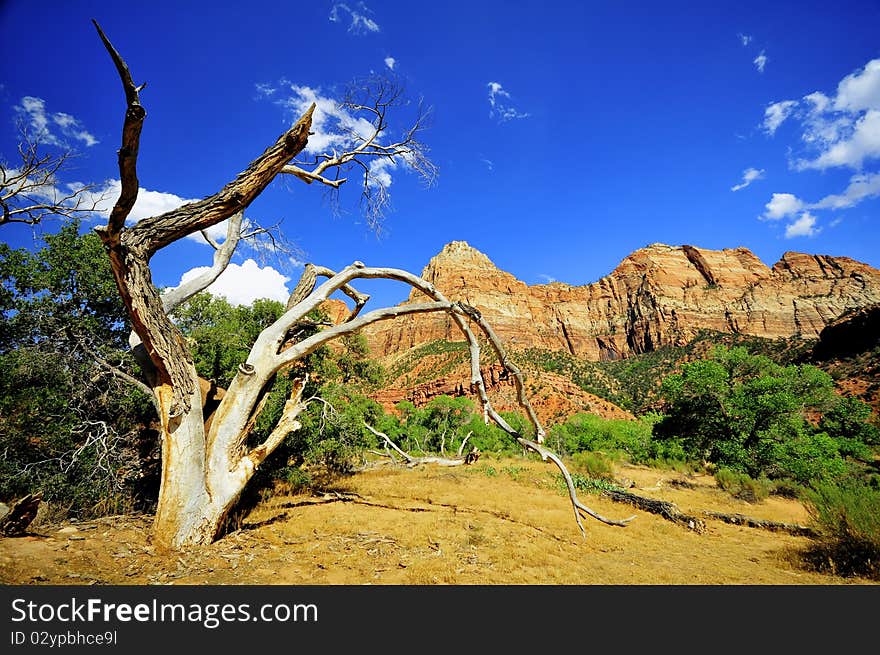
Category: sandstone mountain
[659,295]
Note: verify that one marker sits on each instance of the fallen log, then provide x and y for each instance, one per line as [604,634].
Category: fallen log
[23,512]
[773,526]
[663,508]
[412,462]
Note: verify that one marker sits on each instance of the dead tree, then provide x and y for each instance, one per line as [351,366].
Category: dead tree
[29,190]
[205,466]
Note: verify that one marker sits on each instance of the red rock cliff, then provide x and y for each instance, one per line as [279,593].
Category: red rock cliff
[658,295]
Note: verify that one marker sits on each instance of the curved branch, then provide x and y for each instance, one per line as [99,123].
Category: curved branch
[286,424]
[174,298]
[309,345]
[460,313]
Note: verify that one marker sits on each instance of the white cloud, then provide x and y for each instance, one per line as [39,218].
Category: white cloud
[862,142]
[391,62]
[242,285]
[332,125]
[548,279]
[819,101]
[745,39]
[489,163]
[760,61]
[839,130]
[804,226]
[842,130]
[501,105]
[749,176]
[379,175]
[782,205]
[32,111]
[776,113]
[360,22]
[861,187]
[860,90]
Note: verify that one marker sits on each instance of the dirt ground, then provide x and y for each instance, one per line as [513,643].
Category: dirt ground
[502,521]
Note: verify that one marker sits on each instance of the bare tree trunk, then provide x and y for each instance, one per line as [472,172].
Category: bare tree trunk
[183,513]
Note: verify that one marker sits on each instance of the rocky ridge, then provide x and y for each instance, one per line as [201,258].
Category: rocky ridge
[659,295]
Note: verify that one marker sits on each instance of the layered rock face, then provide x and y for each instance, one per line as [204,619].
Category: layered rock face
[659,295]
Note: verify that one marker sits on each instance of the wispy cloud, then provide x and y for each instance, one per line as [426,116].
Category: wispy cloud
[391,62]
[501,105]
[804,226]
[862,186]
[266,90]
[548,279]
[245,283]
[745,39]
[360,23]
[489,163]
[336,128]
[749,176]
[760,61]
[776,113]
[332,125]
[56,129]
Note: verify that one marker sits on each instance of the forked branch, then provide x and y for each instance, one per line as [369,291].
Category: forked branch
[130,249]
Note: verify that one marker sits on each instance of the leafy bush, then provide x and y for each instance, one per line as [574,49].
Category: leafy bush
[587,484]
[741,486]
[847,517]
[595,465]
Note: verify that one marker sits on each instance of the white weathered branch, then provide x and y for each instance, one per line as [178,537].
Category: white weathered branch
[173,298]
[416,461]
[460,313]
[286,424]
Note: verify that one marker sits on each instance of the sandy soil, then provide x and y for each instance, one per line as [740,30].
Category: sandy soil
[497,522]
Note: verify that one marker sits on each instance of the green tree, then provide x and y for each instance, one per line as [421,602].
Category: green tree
[220,335]
[71,413]
[746,413]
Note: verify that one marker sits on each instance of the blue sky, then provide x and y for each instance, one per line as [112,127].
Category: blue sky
[567,134]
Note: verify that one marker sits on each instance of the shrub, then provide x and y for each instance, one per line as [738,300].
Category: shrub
[595,465]
[587,484]
[847,517]
[740,485]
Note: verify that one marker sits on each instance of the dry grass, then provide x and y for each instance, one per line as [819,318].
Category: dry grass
[434,526]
